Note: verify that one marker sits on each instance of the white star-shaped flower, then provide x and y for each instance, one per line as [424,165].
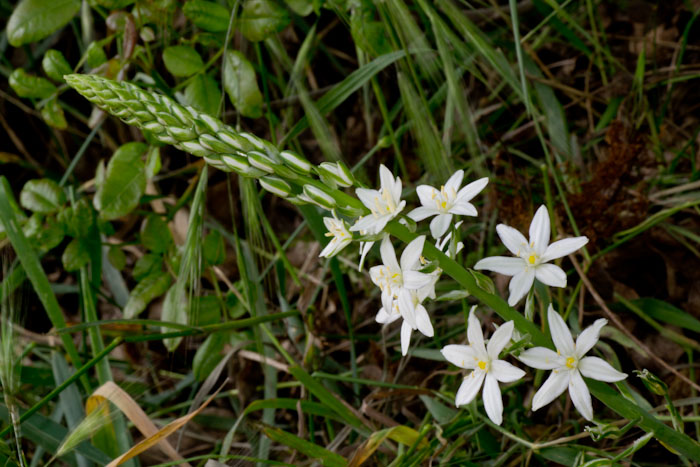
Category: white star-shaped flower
[486,368]
[337,229]
[568,364]
[403,289]
[449,200]
[532,257]
[384,204]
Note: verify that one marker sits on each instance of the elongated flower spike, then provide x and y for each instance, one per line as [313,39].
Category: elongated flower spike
[486,368]
[384,204]
[449,200]
[568,365]
[531,257]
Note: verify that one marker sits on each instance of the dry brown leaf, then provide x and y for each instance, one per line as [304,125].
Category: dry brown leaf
[117,396]
[160,436]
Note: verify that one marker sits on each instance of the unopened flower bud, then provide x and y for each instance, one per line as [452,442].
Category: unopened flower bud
[295,162]
[338,172]
[275,185]
[240,165]
[319,197]
[261,161]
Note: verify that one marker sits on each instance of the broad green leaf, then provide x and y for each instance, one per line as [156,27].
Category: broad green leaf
[53,115]
[241,84]
[75,255]
[182,61]
[262,18]
[300,7]
[33,20]
[208,355]
[174,311]
[45,234]
[115,4]
[42,195]
[668,313]
[146,265]
[155,234]
[206,310]
[153,163]
[77,219]
[124,182]
[116,257]
[55,65]
[203,94]
[145,291]
[31,86]
[209,16]
[214,248]
[95,55]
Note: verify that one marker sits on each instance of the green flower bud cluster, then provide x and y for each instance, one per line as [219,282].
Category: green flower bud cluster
[283,173]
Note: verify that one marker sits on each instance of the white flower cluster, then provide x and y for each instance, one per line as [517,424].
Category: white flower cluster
[407,283]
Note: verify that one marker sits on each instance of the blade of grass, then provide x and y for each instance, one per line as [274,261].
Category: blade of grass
[30,262]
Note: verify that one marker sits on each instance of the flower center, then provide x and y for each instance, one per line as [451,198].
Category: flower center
[482,365]
[532,259]
[571,363]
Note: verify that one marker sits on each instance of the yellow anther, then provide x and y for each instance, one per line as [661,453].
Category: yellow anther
[570,362]
[482,365]
[532,258]
[328,234]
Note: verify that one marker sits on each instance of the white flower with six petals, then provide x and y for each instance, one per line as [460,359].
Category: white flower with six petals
[446,202]
[341,237]
[486,368]
[568,365]
[403,289]
[384,204]
[532,257]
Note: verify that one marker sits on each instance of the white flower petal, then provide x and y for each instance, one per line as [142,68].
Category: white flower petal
[493,404]
[520,285]
[423,321]
[505,372]
[364,249]
[426,195]
[560,333]
[502,265]
[541,358]
[411,254]
[385,318]
[367,223]
[414,280]
[386,178]
[379,222]
[367,196]
[396,191]
[551,275]
[597,368]
[406,331]
[440,224]
[588,338]
[377,273]
[407,308]
[475,334]
[499,340]
[388,301]
[556,384]
[454,181]
[540,230]
[563,247]
[386,249]
[464,208]
[580,395]
[472,189]
[462,356]
[330,247]
[422,212]
[470,387]
[512,239]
